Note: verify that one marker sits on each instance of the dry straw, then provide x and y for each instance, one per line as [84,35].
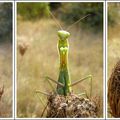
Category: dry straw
[22,47]
[1,92]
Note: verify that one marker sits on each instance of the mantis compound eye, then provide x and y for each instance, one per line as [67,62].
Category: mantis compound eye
[63,35]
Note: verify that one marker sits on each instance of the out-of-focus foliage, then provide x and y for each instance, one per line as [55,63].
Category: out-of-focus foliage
[113,13]
[74,11]
[5,21]
[67,12]
[33,10]
[55,5]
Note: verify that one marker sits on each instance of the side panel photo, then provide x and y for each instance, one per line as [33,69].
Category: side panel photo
[113,59]
[5,60]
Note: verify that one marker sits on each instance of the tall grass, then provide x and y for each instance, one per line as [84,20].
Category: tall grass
[6,79]
[113,39]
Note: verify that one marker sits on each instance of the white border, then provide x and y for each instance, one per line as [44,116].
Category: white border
[60,118]
[9,1]
[103,62]
[13,61]
[104,71]
[15,13]
[61,1]
[106,25]
[112,0]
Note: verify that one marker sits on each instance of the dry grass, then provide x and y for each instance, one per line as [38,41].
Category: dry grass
[41,59]
[6,79]
[113,47]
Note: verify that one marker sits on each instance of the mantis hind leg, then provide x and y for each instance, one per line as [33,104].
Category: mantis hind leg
[89,77]
[45,106]
[82,94]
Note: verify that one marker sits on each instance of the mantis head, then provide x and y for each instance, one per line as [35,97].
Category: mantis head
[63,35]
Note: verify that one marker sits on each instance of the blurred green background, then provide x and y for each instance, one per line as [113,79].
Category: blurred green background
[5,21]
[113,14]
[67,12]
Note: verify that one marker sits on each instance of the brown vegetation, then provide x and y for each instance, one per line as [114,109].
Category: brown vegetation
[22,48]
[114,91]
[71,106]
[1,92]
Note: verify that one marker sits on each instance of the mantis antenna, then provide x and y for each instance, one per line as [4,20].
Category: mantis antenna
[57,23]
[77,21]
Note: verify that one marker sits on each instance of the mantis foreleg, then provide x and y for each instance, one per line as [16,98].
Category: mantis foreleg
[56,82]
[49,80]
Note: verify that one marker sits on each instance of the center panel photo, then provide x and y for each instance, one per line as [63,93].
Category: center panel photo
[59,60]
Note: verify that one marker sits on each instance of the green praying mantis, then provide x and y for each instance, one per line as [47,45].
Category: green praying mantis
[64,84]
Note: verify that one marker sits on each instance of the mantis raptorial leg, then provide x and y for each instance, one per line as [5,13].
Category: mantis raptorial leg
[54,81]
[89,77]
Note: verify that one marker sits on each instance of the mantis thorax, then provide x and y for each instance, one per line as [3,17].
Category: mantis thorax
[64,72]
[63,48]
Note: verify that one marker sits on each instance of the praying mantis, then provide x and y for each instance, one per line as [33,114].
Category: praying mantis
[64,83]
